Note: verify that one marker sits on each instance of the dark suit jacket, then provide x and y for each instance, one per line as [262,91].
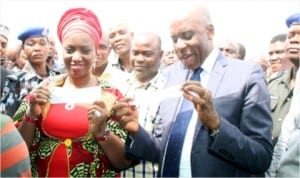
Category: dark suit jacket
[243,146]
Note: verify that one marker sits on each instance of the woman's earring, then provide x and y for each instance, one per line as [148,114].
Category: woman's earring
[94,66]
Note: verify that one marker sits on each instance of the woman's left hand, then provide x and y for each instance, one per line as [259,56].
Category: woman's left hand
[97,114]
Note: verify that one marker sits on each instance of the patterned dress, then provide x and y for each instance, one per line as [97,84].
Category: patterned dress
[63,145]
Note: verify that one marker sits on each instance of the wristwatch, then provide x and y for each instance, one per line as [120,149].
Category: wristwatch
[214,132]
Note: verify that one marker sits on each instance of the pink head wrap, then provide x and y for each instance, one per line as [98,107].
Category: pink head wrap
[79,20]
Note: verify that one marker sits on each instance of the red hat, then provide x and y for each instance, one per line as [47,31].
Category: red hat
[79,20]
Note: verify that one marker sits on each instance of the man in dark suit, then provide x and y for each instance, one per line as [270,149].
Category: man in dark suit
[229,133]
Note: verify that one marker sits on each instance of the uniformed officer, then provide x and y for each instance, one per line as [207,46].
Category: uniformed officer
[281,87]
[17,85]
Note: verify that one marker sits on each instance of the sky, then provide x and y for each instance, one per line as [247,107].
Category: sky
[250,22]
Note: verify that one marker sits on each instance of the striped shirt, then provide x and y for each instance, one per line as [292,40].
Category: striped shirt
[144,95]
[14,154]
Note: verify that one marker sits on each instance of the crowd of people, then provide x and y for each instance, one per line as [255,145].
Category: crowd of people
[194,110]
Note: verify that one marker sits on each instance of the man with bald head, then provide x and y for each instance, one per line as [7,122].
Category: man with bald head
[107,74]
[143,85]
[146,54]
[120,37]
[220,124]
[101,63]
[229,48]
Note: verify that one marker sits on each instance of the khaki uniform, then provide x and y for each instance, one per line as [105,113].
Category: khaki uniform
[281,95]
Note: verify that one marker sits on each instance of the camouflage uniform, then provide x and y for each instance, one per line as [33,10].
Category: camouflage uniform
[17,85]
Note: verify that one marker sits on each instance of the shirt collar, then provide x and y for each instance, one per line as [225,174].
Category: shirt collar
[154,82]
[210,61]
[30,72]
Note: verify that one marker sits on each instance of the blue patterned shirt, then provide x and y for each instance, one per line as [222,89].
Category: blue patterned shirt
[17,85]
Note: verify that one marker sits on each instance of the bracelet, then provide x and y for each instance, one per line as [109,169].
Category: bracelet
[30,120]
[103,137]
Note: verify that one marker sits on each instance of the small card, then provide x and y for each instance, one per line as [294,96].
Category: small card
[171,92]
[71,95]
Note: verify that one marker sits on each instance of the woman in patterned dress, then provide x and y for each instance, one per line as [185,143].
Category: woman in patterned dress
[74,139]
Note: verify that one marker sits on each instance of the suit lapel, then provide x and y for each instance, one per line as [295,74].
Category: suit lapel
[175,77]
[216,75]
[214,82]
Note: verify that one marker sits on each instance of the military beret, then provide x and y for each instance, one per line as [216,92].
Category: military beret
[4,31]
[33,32]
[293,19]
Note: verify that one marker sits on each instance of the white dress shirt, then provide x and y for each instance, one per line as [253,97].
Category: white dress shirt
[185,161]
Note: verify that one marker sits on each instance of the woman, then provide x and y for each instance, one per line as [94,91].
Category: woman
[68,138]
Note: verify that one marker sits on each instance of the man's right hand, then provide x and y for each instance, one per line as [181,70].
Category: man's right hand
[126,114]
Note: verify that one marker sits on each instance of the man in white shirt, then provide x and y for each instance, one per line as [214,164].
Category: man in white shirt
[143,85]
[227,120]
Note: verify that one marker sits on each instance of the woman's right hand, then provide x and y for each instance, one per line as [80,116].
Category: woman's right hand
[126,114]
[38,98]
